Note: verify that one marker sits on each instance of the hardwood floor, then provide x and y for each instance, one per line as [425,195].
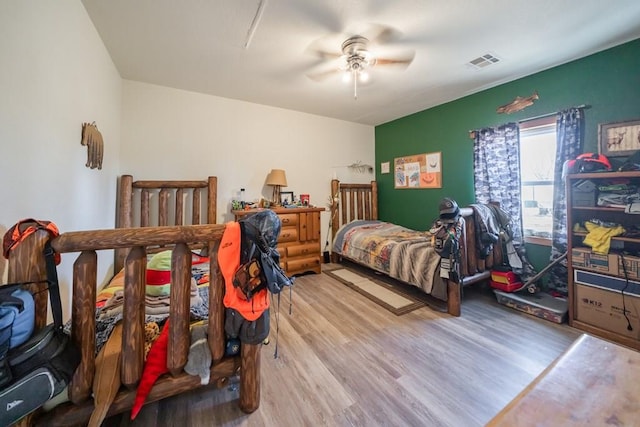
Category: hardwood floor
[345,361]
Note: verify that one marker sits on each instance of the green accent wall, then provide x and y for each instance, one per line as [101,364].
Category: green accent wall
[608,82]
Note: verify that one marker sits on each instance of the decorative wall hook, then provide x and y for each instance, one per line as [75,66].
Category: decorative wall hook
[518,104]
[357,167]
[92,138]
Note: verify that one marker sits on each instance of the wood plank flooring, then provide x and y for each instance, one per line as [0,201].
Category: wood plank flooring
[345,361]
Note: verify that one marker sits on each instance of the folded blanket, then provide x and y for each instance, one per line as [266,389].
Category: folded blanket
[154,305]
[105,324]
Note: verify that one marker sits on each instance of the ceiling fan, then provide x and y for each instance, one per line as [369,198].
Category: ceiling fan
[357,56]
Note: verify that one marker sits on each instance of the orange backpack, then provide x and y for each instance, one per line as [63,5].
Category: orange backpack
[229,262]
[22,229]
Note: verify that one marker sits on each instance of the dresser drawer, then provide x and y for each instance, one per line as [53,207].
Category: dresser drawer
[288,234]
[303,264]
[303,250]
[288,220]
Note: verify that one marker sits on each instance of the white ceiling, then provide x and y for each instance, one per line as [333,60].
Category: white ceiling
[199,45]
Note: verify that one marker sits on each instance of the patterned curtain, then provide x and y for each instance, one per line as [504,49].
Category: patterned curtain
[496,166]
[569,128]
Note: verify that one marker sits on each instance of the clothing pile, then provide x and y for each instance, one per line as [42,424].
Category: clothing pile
[154,305]
[110,300]
[620,195]
[599,235]
[493,226]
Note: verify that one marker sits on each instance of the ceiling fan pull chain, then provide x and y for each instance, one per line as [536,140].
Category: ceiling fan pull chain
[355,84]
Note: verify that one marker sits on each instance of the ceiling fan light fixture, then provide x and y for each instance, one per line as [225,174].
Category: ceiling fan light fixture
[355,60]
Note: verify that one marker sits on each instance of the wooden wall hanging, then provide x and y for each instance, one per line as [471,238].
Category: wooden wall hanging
[92,138]
[518,104]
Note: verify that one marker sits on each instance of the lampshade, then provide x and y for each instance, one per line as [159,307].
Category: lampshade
[277,177]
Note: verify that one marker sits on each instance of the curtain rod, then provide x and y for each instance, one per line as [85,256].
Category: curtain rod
[583,106]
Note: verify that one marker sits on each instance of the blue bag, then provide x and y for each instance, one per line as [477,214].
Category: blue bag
[17,317]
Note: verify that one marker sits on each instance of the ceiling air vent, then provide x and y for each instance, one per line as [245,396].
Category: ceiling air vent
[484,61]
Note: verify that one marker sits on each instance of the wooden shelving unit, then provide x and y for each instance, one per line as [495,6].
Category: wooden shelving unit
[596,303]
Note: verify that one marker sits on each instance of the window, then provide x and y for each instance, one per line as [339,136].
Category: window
[537,162]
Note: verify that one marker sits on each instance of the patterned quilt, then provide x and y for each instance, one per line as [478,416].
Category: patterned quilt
[399,252]
[109,312]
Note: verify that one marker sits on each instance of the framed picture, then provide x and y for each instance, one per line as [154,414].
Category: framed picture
[619,139]
[286,198]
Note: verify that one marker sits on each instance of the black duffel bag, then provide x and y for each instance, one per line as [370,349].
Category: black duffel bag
[42,367]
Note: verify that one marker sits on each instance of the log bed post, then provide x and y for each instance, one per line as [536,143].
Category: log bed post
[216,294]
[374,200]
[179,337]
[83,324]
[250,377]
[125,217]
[132,360]
[27,264]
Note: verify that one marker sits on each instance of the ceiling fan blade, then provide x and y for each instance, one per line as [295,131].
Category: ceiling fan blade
[323,75]
[381,34]
[402,61]
[325,48]
[323,54]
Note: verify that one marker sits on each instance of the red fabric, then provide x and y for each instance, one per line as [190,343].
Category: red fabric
[158,277]
[229,262]
[22,229]
[198,259]
[155,366]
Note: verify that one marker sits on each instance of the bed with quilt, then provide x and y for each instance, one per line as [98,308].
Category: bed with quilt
[165,254]
[401,253]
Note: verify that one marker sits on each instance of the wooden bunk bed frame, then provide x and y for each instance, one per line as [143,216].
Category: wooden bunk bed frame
[130,247]
[360,201]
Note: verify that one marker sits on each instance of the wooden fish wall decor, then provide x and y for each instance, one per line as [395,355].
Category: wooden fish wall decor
[518,104]
[92,138]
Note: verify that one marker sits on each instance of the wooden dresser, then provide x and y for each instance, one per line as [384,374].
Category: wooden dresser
[299,241]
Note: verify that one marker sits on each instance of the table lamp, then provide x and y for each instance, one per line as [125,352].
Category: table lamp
[276,179]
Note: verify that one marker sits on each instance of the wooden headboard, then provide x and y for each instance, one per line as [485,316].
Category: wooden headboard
[149,203]
[350,202]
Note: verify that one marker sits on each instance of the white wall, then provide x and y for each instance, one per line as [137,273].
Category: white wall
[55,74]
[176,134]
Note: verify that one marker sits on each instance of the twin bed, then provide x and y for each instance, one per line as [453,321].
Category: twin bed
[153,216]
[403,254]
[177,215]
